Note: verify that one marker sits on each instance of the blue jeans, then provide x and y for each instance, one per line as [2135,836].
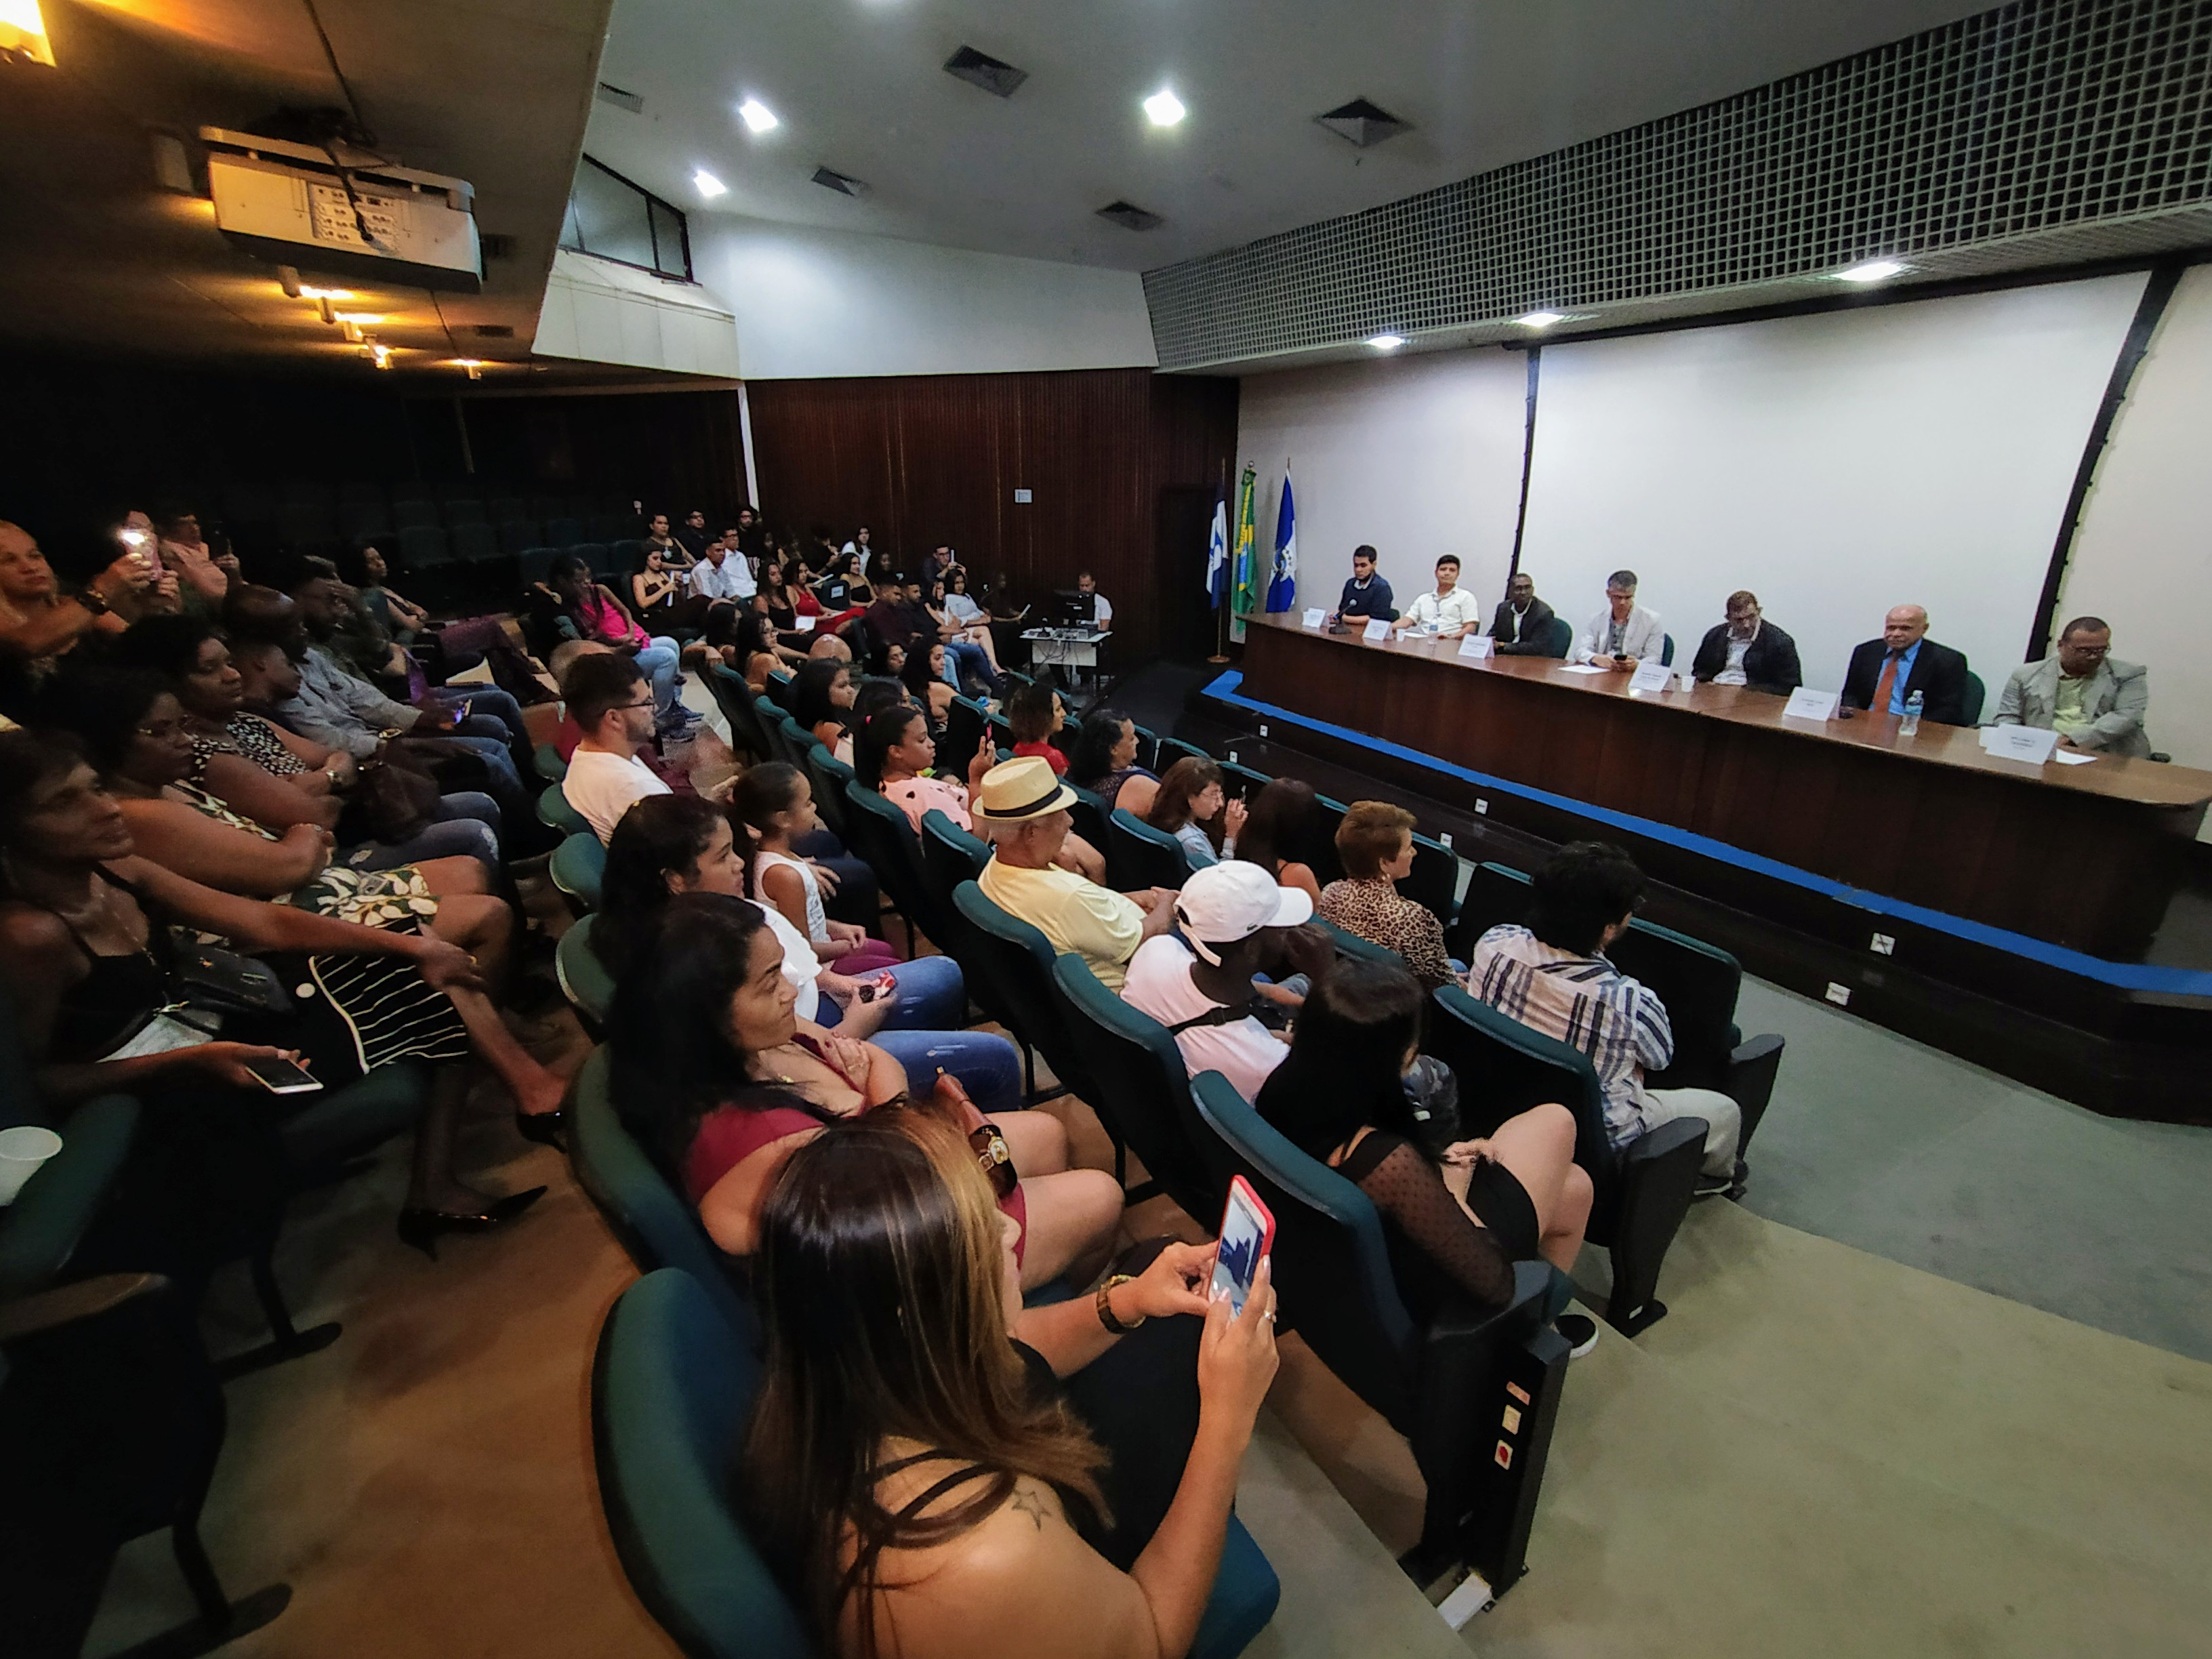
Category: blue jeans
[464,823]
[660,663]
[987,1065]
[486,703]
[932,996]
[966,657]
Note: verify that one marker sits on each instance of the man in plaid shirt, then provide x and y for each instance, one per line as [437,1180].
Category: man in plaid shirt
[1553,977]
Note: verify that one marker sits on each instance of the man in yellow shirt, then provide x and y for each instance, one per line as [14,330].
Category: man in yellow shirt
[1025,808]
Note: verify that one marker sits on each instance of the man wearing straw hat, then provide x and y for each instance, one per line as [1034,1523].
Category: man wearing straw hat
[1026,807]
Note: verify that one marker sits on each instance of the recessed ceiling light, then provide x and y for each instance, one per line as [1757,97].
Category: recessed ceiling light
[358,319]
[757,116]
[1540,318]
[1873,271]
[326,293]
[1387,341]
[1164,108]
[707,184]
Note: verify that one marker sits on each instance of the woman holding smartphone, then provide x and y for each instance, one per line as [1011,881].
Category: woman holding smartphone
[931,1466]
[720,1079]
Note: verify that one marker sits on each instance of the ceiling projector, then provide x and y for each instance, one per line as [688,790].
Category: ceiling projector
[303,206]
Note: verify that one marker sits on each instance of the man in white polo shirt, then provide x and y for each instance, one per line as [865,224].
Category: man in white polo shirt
[612,703]
[1449,612]
[1231,922]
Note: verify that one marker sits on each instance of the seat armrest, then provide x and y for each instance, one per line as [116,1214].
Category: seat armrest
[1750,1081]
[1667,1137]
[69,1305]
[41,1230]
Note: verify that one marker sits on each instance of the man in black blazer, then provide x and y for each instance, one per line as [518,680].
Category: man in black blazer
[1522,625]
[1904,660]
[1747,650]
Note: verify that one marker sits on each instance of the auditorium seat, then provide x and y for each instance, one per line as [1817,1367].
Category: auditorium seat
[564,531]
[1139,1086]
[473,544]
[1439,1384]
[734,697]
[422,550]
[1242,782]
[1563,638]
[545,761]
[1172,749]
[1642,1191]
[1667,650]
[363,522]
[625,556]
[1970,708]
[965,722]
[538,563]
[577,867]
[1434,879]
[584,978]
[882,835]
[949,855]
[827,776]
[414,513]
[1016,961]
[594,554]
[1138,856]
[462,510]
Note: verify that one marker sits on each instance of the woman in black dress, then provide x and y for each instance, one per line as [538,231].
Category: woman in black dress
[1456,1217]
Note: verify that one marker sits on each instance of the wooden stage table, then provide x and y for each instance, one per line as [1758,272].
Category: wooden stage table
[2081,856]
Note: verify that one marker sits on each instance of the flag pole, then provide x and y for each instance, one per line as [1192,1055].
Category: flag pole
[1221,611]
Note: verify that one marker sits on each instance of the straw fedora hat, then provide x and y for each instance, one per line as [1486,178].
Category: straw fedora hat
[1017,790]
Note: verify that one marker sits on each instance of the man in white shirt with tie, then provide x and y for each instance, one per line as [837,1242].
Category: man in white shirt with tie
[1449,612]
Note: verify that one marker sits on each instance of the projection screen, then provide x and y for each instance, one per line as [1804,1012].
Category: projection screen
[1835,464]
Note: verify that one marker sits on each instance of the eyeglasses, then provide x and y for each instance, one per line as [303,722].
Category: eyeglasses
[646,702]
[992,1158]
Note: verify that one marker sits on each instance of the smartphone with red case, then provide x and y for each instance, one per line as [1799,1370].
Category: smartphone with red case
[1248,1234]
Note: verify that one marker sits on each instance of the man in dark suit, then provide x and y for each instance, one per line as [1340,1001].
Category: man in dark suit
[1522,625]
[1886,672]
[1748,650]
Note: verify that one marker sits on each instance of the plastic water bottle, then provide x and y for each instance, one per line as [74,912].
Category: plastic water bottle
[1910,723]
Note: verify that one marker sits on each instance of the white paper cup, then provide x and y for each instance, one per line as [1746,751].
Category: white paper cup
[22,1150]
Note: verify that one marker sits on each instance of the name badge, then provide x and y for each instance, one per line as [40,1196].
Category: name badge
[1315,618]
[1807,704]
[1376,631]
[2023,743]
[1651,677]
[1478,645]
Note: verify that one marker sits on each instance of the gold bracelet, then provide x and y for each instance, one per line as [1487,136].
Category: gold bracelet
[1119,1327]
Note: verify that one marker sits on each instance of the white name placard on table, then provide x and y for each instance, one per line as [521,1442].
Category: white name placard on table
[1377,630]
[1315,618]
[2021,742]
[1651,677]
[1477,646]
[1807,704]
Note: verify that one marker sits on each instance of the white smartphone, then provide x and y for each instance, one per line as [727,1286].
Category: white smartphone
[282,1077]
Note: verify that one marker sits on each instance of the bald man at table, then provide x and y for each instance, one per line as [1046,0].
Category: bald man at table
[1885,673]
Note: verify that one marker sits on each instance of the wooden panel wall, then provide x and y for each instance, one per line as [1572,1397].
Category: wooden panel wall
[936,458]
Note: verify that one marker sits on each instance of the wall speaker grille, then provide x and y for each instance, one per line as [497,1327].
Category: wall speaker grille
[2041,119]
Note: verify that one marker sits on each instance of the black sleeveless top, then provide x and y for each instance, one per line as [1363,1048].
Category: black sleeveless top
[118,993]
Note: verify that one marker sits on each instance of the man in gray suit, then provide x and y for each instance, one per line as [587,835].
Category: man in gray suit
[2091,699]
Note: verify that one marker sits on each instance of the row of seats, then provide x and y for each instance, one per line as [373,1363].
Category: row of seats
[308,510]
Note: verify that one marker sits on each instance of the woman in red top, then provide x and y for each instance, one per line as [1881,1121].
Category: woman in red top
[707,1004]
[1035,712]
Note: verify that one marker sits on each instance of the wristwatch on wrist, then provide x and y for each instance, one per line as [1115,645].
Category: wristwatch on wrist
[1119,1327]
[91,599]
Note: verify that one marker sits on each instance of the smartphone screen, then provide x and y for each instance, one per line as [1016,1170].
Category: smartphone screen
[281,1077]
[1247,1229]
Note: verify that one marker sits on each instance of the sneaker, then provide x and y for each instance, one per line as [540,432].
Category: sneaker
[1729,1186]
[1580,1331]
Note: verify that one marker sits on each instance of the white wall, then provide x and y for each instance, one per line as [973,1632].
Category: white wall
[2143,558]
[603,313]
[1837,464]
[820,303]
[1416,456]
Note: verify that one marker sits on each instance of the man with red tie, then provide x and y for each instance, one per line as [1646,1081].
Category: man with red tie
[1884,672]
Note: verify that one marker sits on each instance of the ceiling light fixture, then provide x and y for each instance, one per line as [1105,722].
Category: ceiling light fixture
[23,32]
[1873,271]
[379,354]
[474,365]
[707,184]
[358,319]
[1164,108]
[1386,341]
[1540,318]
[326,292]
[758,116]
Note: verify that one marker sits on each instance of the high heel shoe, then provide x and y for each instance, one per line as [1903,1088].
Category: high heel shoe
[421,1227]
[546,1129]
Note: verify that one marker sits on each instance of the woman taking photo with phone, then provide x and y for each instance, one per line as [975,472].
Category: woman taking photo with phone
[936,1471]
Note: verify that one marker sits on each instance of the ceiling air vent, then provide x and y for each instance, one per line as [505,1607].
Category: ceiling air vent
[1363,123]
[843,182]
[493,245]
[632,102]
[494,331]
[980,69]
[1129,215]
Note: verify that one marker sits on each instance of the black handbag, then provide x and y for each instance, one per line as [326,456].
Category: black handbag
[208,976]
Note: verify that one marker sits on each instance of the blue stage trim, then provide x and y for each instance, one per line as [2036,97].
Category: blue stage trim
[2126,976]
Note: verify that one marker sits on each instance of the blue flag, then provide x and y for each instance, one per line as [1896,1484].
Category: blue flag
[1283,584]
[1216,553]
